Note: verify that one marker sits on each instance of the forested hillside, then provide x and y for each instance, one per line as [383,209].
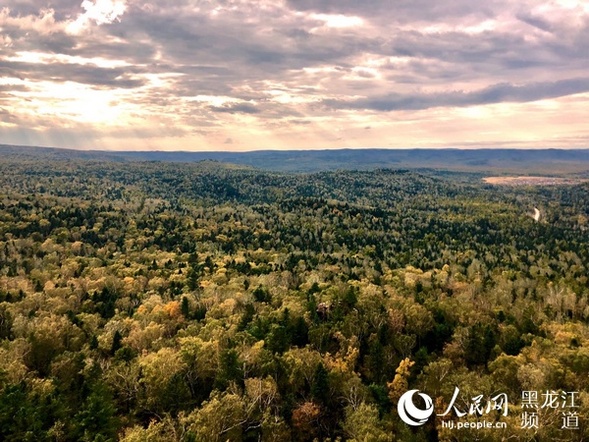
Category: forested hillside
[151,301]
[495,160]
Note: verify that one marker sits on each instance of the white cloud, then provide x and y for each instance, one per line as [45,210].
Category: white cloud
[338,20]
[100,12]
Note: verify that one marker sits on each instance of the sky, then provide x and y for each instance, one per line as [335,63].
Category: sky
[237,75]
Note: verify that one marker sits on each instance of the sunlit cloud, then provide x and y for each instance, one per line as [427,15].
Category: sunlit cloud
[99,12]
[338,20]
[41,57]
[43,23]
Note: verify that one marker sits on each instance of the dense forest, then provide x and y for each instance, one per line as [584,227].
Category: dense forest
[159,301]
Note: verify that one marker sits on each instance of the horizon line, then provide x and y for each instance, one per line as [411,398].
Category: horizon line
[312,149]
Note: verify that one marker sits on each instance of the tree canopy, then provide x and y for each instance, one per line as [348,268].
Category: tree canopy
[202,302]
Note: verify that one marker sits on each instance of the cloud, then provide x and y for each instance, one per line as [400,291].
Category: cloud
[498,93]
[401,11]
[100,12]
[232,108]
[535,21]
[7,117]
[43,22]
[103,11]
[297,69]
[62,72]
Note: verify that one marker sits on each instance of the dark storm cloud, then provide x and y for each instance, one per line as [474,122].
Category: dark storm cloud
[498,93]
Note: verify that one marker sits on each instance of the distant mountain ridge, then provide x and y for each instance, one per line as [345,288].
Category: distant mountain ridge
[547,161]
